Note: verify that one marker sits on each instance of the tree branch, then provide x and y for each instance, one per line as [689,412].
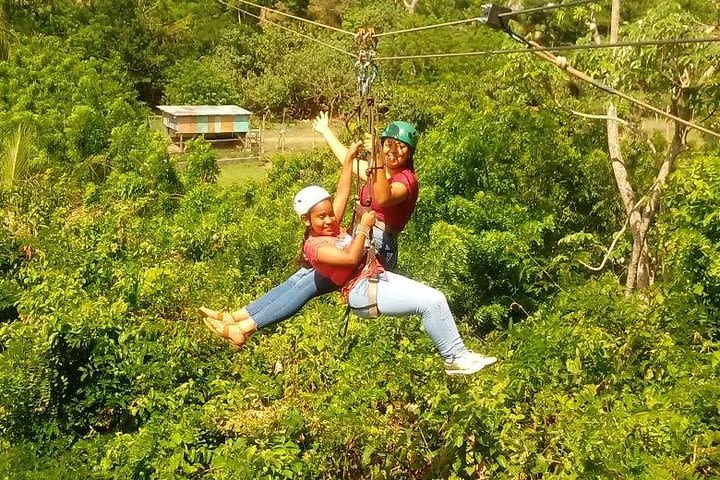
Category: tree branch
[598,117]
[410,6]
[616,237]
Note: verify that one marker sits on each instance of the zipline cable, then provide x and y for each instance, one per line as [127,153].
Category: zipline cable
[476,19]
[280,12]
[549,6]
[561,63]
[427,27]
[560,48]
[544,53]
[288,29]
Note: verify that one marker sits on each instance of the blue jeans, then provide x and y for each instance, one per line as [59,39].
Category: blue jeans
[288,298]
[398,296]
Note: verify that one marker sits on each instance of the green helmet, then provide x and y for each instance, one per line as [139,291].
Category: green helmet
[401,131]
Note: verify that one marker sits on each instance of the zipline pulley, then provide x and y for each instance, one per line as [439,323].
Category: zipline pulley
[366,71]
[491,16]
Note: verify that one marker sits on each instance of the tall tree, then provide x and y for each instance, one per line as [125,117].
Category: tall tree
[687,80]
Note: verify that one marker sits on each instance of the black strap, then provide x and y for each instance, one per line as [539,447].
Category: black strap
[346,318]
[345,321]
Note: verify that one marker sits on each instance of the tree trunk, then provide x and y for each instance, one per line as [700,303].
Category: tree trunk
[410,6]
[640,272]
[641,213]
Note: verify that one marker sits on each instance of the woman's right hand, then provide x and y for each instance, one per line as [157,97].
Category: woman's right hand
[368,218]
[321,124]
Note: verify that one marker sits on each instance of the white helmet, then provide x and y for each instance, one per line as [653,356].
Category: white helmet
[308,197]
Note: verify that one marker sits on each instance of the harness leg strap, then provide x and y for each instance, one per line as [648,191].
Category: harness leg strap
[372,298]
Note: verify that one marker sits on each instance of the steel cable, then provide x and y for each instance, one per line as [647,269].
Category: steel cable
[560,48]
[476,19]
[289,29]
[280,12]
[549,6]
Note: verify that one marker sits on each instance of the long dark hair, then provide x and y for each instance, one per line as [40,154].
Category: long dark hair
[301,258]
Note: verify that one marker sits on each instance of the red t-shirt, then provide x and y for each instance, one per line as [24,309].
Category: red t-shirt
[396,216]
[345,277]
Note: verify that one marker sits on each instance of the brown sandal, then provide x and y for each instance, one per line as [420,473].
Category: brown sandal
[225,332]
[222,316]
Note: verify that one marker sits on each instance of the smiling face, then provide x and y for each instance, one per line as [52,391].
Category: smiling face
[321,219]
[396,153]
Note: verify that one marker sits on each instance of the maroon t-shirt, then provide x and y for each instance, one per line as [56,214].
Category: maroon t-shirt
[396,216]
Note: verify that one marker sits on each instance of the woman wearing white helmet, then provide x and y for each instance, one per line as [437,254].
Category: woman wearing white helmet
[339,257]
[393,197]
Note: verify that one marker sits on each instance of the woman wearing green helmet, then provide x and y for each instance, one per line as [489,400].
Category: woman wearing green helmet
[393,197]
[394,183]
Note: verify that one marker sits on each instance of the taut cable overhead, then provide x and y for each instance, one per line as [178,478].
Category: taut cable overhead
[508,13]
[306,20]
[560,48]
[562,63]
[338,49]
[549,6]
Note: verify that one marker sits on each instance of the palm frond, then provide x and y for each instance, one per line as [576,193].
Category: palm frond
[15,158]
[6,36]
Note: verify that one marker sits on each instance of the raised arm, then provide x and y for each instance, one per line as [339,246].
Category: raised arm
[321,125]
[350,257]
[344,185]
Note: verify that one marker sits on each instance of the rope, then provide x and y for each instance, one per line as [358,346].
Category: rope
[318,24]
[560,48]
[288,29]
[549,6]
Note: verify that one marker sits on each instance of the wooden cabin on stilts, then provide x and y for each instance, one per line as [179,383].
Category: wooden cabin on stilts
[215,123]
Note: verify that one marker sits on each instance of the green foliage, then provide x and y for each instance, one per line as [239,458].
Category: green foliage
[69,102]
[106,372]
[201,163]
[201,82]
[5,37]
[136,150]
[15,156]
[691,234]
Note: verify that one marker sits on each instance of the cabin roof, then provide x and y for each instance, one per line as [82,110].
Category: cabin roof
[195,110]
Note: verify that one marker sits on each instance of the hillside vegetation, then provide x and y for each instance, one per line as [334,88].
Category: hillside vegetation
[107,249]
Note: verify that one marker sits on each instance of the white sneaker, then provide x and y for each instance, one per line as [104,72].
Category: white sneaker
[468,363]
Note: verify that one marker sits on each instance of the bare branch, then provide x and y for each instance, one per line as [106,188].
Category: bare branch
[410,6]
[708,116]
[600,117]
[618,164]
[616,237]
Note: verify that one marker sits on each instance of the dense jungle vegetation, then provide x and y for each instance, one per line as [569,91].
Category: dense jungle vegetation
[107,248]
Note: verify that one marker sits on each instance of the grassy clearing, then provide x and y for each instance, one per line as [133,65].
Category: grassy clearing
[237,165]
[237,173]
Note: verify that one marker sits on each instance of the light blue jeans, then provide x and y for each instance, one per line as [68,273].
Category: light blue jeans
[398,296]
[288,298]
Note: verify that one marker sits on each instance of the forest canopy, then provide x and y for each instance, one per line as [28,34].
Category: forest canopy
[575,235]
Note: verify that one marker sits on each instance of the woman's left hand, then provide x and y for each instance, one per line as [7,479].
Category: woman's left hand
[353,151]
